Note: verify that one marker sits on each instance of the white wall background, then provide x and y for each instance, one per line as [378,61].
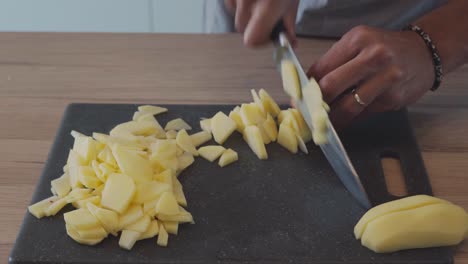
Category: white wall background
[181,16]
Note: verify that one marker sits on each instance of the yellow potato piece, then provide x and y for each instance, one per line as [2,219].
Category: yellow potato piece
[78,194]
[171,134]
[82,203]
[185,142]
[151,190]
[118,192]
[253,137]
[265,137]
[268,103]
[163,236]
[152,109]
[171,227]
[159,164]
[258,101]
[435,225]
[287,138]
[211,153]
[106,156]
[149,208]
[130,129]
[56,206]
[93,233]
[304,132]
[291,84]
[167,204]
[133,165]
[106,170]
[141,225]
[407,203]
[229,156]
[182,217]
[86,148]
[179,192]
[98,190]
[128,238]
[235,116]
[38,209]
[76,134]
[222,127]
[251,114]
[301,144]
[61,185]
[152,230]
[177,124]
[71,232]
[81,219]
[133,213]
[108,218]
[270,127]
[205,125]
[184,161]
[164,148]
[88,178]
[200,138]
[166,176]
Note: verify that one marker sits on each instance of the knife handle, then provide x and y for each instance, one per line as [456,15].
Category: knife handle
[279,27]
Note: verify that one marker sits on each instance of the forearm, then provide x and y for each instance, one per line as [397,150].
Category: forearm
[448,28]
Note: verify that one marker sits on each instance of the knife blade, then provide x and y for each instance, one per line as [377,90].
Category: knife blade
[333,149]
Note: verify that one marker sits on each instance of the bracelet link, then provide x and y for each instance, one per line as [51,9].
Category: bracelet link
[436,60]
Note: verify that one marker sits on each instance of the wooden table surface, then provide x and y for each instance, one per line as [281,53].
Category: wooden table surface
[40,73]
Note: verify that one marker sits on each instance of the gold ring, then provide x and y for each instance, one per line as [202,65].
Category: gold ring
[357,98]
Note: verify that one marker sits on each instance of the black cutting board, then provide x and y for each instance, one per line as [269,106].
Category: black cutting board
[287,209]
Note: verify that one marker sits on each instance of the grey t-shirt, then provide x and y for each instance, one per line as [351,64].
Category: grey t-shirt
[333,18]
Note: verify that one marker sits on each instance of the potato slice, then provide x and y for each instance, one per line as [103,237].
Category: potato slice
[165,148]
[222,127]
[130,216]
[87,177]
[435,225]
[258,101]
[268,103]
[304,130]
[56,206]
[185,142]
[108,218]
[171,134]
[118,192]
[106,170]
[149,208]
[166,176]
[235,116]
[177,124]
[211,153]
[287,138]
[301,144]
[253,137]
[184,161]
[171,227]
[152,109]
[152,230]
[269,126]
[141,225]
[71,232]
[205,125]
[86,148]
[163,236]
[82,203]
[78,194]
[76,134]
[228,157]
[61,185]
[407,203]
[291,84]
[265,137]
[167,204]
[150,190]
[93,233]
[98,190]
[251,114]
[81,219]
[200,138]
[38,209]
[179,192]
[133,165]
[182,217]
[106,156]
[128,238]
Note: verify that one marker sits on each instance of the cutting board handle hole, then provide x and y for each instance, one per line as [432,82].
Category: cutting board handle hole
[393,172]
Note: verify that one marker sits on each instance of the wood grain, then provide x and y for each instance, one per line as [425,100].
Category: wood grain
[40,73]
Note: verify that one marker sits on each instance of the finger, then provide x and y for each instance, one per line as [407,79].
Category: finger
[337,55]
[243,14]
[348,108]
[265,15]
[345,76]
[289,22]
[230,6]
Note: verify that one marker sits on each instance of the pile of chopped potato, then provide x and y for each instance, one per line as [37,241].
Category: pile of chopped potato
[126,182]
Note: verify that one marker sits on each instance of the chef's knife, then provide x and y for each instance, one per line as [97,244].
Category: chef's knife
[333,149]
